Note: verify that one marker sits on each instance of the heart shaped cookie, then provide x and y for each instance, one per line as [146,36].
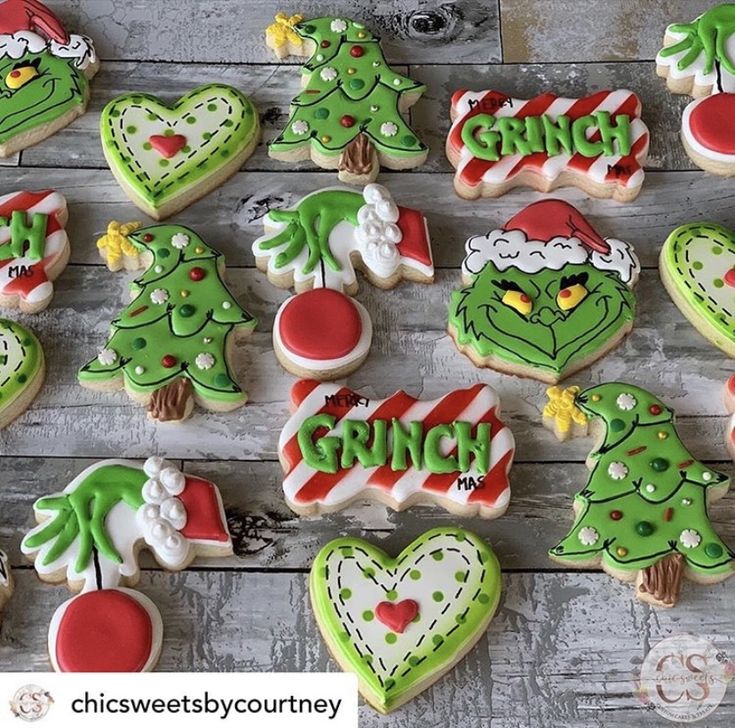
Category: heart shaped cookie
[21,370]
[166,157]
[400,624]
[697,267]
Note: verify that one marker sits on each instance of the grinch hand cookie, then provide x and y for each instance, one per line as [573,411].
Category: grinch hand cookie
[349,115]
[172,345]
[22,370]
[6,580]
[598,143]
[545,295]
[90,535]
[165,156]
[340,446]
[44,74]
[643,514]
[315,247]
[697,266]
[400,624]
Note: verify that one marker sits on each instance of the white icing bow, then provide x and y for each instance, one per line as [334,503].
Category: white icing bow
[377,233]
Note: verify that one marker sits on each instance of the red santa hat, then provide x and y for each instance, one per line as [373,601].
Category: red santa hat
[549,235]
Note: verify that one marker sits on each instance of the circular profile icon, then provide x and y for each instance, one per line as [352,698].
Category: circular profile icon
[31,703]
[684,678]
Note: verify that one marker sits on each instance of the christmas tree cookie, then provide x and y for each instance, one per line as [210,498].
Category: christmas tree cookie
[315,247]
[545,295]
[349,115]
[166,157]
[6,580]
[643,513]
[90,535]
[730,402]
[400,624]
[697,266]
[698,59]
[44,74]
[172,344]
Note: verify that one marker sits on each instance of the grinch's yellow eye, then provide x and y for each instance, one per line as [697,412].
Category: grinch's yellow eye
[19,77]
[519,301]
[571,296]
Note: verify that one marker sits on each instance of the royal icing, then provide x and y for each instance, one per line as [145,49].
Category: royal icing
[90,535]
[697,265]
[730,401]
[543,293]
[351,106]
[21,369]
[495,142]
[182,313]
[44,74]
[163,153]
[402,623]
[339,446]
[644,508]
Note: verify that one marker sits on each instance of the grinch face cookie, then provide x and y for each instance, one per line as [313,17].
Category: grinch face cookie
[90,536]
[400,624]
[171,346]
[44,74]
[315,247]
[6,580]
[643,514]
[166,157]
[340,447]
[598,143]
[545,294]
[697,266]
[349,115]
[22,370]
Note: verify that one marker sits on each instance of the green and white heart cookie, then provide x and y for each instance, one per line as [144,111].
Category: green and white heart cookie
[22,370]
[166,157]
[697,267]
[400,624]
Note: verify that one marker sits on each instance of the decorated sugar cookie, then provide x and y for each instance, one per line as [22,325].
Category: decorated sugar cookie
[730,402]
[315,247]
[697,266]
[165,156]
[598,143]
[349,115]
[171,346]
[698,59]
[89,536]
[400,624]
[6,580]
[340,446]
[22,370]
[545,295]
[44,74]
[643,513]
[34,248]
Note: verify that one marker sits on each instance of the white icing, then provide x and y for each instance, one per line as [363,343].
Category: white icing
[389,129]
[154,465]
[139,370]
[159,296]
[650,488]
[300,127]
[226,305]
[180,241]
[107,357]
[204,361]
[588,536]
[617,470]
[338,26]
[376,233]
[689,538]
[626,402]
[328,74]
[16,45]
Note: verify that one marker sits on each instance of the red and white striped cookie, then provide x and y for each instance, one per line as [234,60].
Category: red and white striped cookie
[340,446]
[34,248]
[598,143]
[730,402]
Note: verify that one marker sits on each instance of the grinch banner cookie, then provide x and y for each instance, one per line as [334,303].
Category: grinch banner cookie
[166,157]
[22,370]
[34,248]
[730,402]
[6,580]
[349,115]
[598,143]
[315,247]
[545,295]
[171,346]
[400,624]
[340,446]
[90,535]
[643,513]
[697,266]
[44,74]
[698,59]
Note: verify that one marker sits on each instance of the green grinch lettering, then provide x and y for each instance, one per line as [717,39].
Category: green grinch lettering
[22,233]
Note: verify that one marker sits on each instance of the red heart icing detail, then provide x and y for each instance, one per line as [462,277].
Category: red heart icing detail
[168,146]
[730,277]
[397,617]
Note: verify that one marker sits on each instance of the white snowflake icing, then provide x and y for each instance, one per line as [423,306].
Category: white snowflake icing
[300,127]
[588,536]
[626,402]
[159,296]
[204,361]
[328,74]
[388,129]
[180,241]
[338,26]
[617,470]
[690,538]
[107,357]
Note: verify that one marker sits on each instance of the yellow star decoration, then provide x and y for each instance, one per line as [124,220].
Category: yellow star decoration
[563,413]
[115,244]
[282,32]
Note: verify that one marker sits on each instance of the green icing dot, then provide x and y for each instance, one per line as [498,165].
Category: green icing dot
[222,380]
[437,639]
[207,135]
[616,425]
[697,265]
[168,132]
[483,598]
[345,594]
[437,596]
[151,117]
[437,556]
[346,550]
[22,378]
[225,153]
[27,342]
[718,283]
[390,638]
[460,619]
[115,113]
[163,252]
[392,595]
[321,113]
[345,637]
[187,310]
[356,84]
[460,536]
[367,658]
[368,572]
[413,660]
[713,550]
[191,120]
[408,140]
[131,129]
[138,343]
[228,123]
[644,528]
[390,683]
[660,464]
[211,107]
[415,575]
[163,162]
[368,616]
[308,29]
[460,576]
[716,250]
[147,146]
[186,149]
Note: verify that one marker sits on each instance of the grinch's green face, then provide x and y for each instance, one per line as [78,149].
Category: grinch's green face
[546,320]
[35,90]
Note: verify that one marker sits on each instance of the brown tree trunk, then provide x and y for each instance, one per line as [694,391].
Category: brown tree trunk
[358,157]
[170,403]
[663,579]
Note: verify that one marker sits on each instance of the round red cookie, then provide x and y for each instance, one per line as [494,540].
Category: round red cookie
[712,123]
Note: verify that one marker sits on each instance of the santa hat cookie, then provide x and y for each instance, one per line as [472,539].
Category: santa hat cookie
[545,294]
[34,50]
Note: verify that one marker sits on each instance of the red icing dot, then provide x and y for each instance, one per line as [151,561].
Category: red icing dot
[616,515]
[148,238]
[196,274]
[168,361]
[729,278]
[655,409]
[565,293]
[325,44]
[347,121]
[357,51]
[320,324]
[104,631]
[14,74]
[712,123]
